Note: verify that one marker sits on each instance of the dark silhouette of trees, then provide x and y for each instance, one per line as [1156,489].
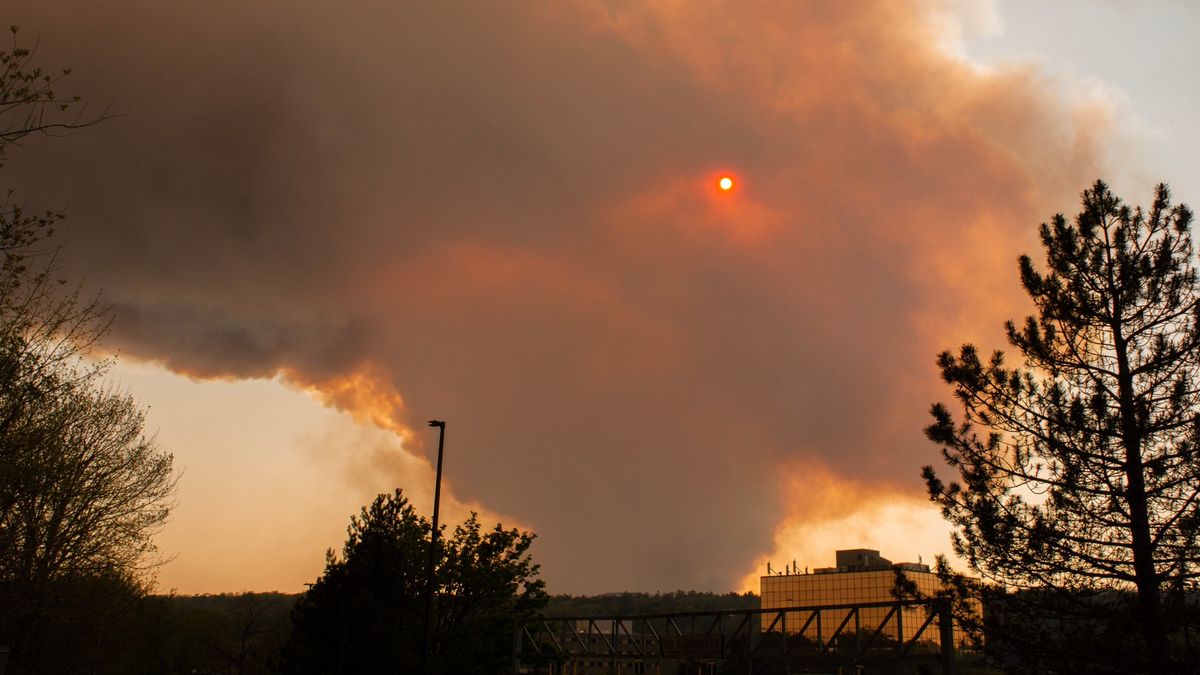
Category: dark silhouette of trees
[364,614]
[1080,472]
[233,634]
[82,489]
[618,604]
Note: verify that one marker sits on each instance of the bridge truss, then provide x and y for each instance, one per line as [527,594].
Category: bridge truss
[853,636]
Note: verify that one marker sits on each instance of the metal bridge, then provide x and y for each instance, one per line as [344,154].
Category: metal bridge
[846,638]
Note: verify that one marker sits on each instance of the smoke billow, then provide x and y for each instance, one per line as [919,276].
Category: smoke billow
[503,215]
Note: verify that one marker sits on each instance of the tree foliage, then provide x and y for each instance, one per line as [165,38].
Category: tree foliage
[30,102]
[229,633]
[82,489]
[365,614]
[1079,471]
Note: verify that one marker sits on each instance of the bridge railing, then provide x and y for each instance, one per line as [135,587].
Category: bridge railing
[843,633]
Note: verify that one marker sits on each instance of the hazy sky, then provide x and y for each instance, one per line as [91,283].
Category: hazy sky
[320,226]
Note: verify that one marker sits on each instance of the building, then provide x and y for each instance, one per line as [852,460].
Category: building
[860,576]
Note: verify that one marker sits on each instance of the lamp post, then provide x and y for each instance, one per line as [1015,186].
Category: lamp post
[433,537]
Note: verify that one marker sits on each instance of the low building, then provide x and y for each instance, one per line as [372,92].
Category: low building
[860,576]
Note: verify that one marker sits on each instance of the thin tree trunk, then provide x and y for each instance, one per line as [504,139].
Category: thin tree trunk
[1149,597]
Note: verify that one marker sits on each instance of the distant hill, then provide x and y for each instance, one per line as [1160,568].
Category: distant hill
[226,633]
[614,604]
[243,632]
[278,604]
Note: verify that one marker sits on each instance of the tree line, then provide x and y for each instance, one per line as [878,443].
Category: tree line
[363,614]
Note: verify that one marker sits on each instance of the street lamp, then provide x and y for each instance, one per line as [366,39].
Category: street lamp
[433,537]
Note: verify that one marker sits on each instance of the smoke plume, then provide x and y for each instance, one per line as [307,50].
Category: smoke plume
[504,215]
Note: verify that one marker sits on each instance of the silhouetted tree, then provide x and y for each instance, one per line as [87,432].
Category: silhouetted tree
[365,612]
[81,488]
[1080,471]
[41,329]
[29,101]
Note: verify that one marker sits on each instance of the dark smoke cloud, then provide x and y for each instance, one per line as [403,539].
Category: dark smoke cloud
[503,212]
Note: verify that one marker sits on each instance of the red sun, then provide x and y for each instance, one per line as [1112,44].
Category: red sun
[725,183]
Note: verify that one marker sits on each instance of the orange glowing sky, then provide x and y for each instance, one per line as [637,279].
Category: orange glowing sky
[319,226]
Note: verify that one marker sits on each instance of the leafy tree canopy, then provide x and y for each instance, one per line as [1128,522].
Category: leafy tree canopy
[82,488]
[365,614]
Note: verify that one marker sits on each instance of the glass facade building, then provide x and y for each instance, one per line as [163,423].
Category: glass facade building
[861,576]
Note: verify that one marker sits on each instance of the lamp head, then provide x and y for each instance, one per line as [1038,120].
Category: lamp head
[437,423]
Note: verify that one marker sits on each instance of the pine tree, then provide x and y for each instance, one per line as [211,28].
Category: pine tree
[1080,472]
